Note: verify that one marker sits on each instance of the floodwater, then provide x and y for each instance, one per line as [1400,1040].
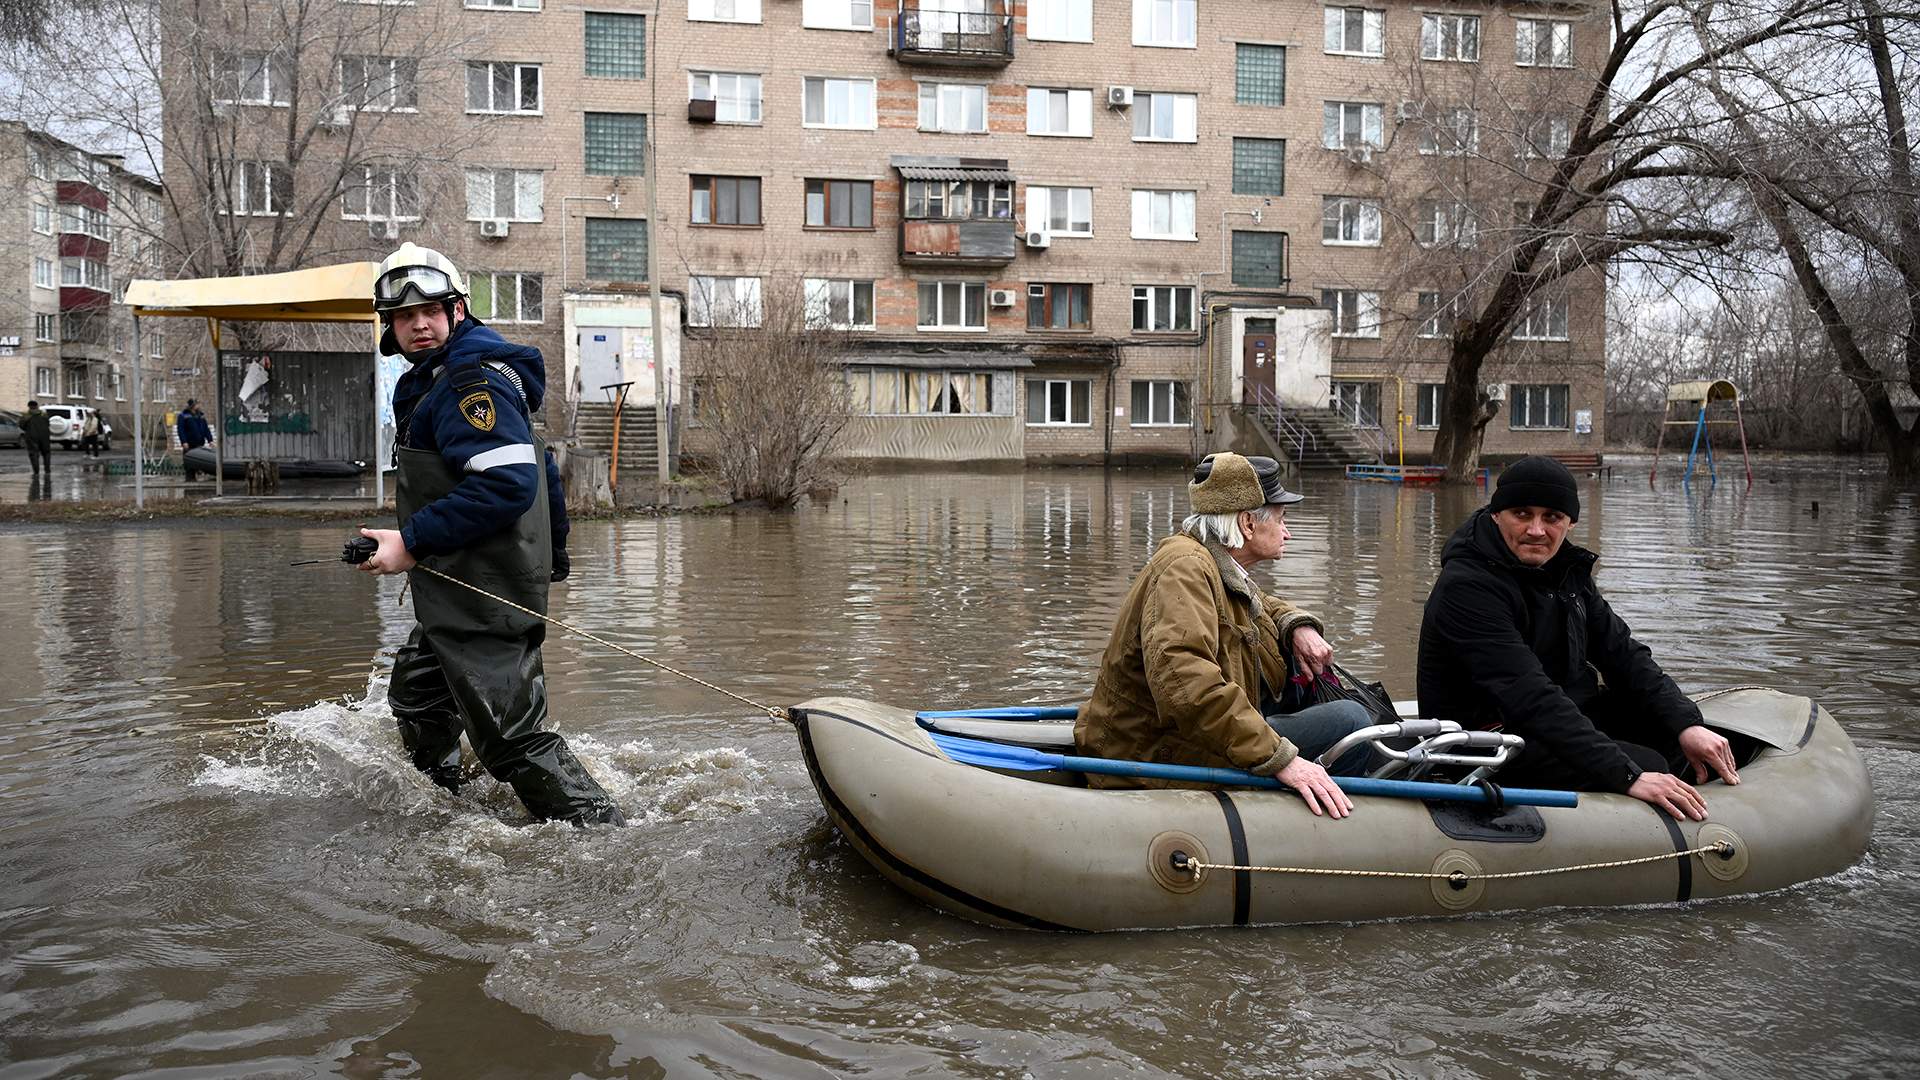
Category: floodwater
[214,862]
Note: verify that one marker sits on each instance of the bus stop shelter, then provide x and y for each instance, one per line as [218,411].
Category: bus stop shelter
[341,293]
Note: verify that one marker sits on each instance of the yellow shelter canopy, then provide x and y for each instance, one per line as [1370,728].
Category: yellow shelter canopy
[1703,390]
[339,293]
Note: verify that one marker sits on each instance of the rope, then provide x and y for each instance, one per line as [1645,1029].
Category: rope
[1460,877]
[773,711]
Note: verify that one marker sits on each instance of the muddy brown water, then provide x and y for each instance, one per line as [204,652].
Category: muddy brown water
[214,861]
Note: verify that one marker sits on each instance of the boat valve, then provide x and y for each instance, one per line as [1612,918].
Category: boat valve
[1181,862]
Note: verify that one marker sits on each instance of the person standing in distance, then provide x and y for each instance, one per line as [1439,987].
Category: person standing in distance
[191,426]
[475,503]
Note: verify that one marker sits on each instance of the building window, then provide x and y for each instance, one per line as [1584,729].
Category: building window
[77,383]
[512,194]
[837,14]
[1259,166]
[43,219]
[1358,403]
[43,382]
[1164,23]
[918,392]
[1260,259]
[1059,307]
[616,144]
[381,193]
[1537,406]
[840,204]
[1059,112]
[501,86]
[85,273]
[157,392]
[75,218]
[838,103]
[1450,37]
[1060,20]
[1161,403]
[1059,402]
[1356,314]
[1452,132]
[1259,75]
[735,97]
[156,346]
[726,200]
[493,5]
[1435,318]
[616,46]
[1547,137]
[1347,220]
[46,327]
[43,272]
[839,304]
[380,82]
[1546,320]
[1163,309]
[262,188]
[1350,123]
[1356,31]
[956,107]
[249,78]
[959,200]
[1542,43]
[734,11]
[616,249]
[1429,405]
[153,208]
[507,296]
[953,305]
[102,381]
[723,301]
[1163,215]
[1165,117]
[1060,211]
[39,164]
[1440,223]
[119,387]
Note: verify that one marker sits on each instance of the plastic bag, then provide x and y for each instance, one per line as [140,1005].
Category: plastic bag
[1336,683]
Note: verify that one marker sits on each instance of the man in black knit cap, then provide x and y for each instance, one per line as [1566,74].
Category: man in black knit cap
[1516,636]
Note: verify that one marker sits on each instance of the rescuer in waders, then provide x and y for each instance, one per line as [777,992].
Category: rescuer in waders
[478,500]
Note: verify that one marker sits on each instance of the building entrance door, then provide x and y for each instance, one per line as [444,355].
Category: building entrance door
[1259,356]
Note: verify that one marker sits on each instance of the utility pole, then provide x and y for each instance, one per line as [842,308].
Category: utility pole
[663,430]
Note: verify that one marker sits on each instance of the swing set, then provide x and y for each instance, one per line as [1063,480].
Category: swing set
[1698,405]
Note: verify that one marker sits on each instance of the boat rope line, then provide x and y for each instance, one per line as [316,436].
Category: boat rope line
[773,711]
[1458,878]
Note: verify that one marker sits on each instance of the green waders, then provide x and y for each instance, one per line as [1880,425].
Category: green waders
[473,664]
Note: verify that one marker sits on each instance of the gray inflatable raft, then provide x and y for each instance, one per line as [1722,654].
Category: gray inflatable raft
[1037,850]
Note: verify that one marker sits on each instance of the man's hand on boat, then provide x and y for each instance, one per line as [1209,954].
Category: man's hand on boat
[1316,787]
[1710,752]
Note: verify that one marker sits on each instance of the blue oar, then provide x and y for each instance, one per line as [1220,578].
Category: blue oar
[994,755]
[1010,712]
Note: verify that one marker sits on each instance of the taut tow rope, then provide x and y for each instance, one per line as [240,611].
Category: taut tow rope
[1459,878]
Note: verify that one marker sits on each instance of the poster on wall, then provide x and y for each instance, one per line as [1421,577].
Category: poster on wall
[1583,421]
[387,372]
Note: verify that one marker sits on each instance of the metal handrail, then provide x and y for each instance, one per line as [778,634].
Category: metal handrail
[1372,436]
[974,32]
[1272,417]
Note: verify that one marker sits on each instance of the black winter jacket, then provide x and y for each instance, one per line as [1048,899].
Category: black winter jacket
[1524,648]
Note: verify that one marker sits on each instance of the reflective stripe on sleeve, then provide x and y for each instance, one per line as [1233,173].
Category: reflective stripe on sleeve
[517,454]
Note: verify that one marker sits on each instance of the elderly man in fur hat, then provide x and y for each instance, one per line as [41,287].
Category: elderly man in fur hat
[1199,654]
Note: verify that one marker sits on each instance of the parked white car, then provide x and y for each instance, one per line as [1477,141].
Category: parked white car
[65,422]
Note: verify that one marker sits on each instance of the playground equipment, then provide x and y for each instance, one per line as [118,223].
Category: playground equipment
[1700,404]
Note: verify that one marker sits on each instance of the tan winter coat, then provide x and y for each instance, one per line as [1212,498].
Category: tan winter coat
[1180,681]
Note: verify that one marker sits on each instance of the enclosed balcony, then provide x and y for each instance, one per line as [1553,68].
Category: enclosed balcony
[956,211]
[953,33]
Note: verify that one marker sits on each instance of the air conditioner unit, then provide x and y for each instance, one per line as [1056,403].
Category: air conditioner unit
[1119,97]
[1496,391]
[1039,239]
[702,110]
[1001,298]
[494,228]
[223,109]
[1360,154]
[383,229]
[337,119]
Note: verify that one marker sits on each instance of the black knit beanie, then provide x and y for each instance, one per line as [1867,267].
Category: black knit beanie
[1537,481]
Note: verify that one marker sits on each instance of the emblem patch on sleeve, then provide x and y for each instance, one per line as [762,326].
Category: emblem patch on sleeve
[477,407]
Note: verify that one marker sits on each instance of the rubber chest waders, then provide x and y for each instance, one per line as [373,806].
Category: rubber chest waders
[474,665]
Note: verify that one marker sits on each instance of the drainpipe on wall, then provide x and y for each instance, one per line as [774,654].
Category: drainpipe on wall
[1108,459]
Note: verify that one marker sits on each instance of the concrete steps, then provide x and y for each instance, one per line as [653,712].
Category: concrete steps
[639,444]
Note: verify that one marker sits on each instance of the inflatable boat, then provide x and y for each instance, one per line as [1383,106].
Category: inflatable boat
[1022,842]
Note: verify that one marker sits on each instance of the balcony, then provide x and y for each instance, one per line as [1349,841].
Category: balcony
[952,38]
[956,212]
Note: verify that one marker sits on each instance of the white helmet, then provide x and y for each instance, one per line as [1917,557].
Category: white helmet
[423,272]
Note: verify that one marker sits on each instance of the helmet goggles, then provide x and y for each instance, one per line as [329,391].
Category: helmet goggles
[428,284]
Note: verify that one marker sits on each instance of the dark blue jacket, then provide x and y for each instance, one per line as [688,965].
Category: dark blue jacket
[476,420]
[193,429]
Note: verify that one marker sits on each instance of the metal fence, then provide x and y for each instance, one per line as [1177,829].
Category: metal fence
[295,406]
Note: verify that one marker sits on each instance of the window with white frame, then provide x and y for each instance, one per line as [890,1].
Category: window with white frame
[42,219]
[156,346]
[86,274]
[380,193]
[493,5]
[77,383]
[723,301]
[885,391]
[1444,223]
[1159,117]
[119,387]
[39,163]
[837,14]
[838,103]
[1163,309]
[953,305]
[1345,219]
[1060,20]
[1351,123]
[838,304]
[1542,43]
[1436,317]
[1356,312]
[957,107]
[1059,402]
[43,381]
[1547,137]
[1060,211]
[262,188]
[1059,112]
[153,208]
[251,78]
[1450,132]
[1356,31]
[86,220]
[1450,37]
[839,204]
[46,327]
[120,339]
[510,296]
[1054,306]
[1165,23]
[1430,404]
[734,11]
[503,86]
[509,194]
[959,200]
[380,82]
[1161,403]
[1163,215]
[43,272]
[1357,402]
[1544,320]
[1537,406]
[735,96]
[157,391]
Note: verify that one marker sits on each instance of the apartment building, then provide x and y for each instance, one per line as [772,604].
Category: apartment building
[1060,230]
[83,227]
